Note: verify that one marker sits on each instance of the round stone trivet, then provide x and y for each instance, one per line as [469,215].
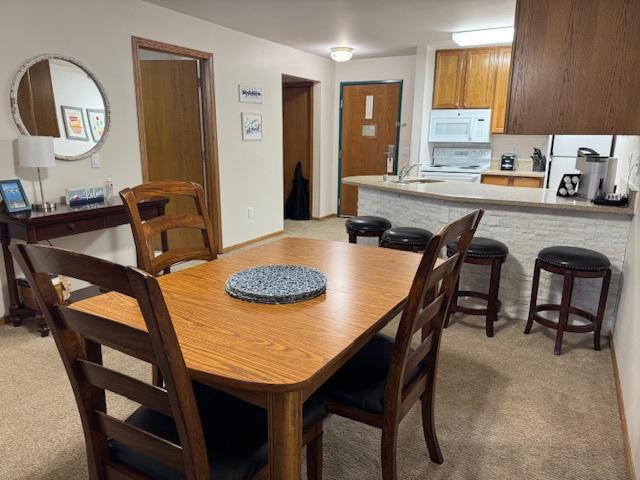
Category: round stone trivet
[276,284]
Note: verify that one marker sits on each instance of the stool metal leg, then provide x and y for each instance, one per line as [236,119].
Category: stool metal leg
[492,304]
[567,290]
[353,237]
[604,292]
[534,297]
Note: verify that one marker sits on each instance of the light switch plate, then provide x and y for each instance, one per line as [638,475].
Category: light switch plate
[250,212]
[95,161]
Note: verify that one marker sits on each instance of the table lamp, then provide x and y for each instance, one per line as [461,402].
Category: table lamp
[37,152]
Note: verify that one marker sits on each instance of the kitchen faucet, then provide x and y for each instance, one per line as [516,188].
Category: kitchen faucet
[404,171]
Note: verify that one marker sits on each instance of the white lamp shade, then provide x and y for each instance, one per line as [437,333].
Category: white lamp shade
[34,151]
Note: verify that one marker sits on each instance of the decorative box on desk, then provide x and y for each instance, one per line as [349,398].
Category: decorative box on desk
[34,227]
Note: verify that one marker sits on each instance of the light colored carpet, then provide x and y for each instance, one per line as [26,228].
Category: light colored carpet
[507,408]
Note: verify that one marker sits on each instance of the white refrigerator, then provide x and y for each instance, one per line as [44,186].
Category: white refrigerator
[564,150]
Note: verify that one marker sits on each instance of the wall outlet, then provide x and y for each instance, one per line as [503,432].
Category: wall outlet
[251,212]
[95,161]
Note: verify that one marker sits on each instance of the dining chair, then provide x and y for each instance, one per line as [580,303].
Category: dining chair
[185,430]
[145,232]
[384,380]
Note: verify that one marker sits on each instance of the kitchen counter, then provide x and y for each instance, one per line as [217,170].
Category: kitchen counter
[514,173]
[479,194]
[525,219]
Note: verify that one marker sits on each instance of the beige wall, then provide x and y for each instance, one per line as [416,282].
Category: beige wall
[98,33]
[626,336]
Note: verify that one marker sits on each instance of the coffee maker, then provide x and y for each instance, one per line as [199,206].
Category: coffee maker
[594,169]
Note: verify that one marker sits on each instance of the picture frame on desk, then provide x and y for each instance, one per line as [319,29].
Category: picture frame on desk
[13,196]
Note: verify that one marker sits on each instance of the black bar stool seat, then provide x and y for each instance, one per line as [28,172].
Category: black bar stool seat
[366,226]
[482,251]
[406,238]
[572,263]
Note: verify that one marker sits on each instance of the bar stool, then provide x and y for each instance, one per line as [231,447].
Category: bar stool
[482,251]
[572,263]
[406,238]
[366,226]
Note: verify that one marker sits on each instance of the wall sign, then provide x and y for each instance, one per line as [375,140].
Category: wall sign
[368,130]
[251,126]
[368,107]
[249,94]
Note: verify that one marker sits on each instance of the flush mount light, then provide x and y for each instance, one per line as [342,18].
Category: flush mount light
[341,54]
[483,37]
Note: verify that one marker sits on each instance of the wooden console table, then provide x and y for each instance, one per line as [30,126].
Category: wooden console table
[34,227]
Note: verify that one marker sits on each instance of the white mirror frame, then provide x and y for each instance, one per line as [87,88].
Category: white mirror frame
[13,98]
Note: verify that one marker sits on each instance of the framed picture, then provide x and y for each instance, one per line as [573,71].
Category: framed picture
[13,196]
[250,94]
[74,123]
[251,126]
[97,122]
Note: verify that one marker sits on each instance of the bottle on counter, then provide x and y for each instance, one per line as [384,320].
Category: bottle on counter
[108,189]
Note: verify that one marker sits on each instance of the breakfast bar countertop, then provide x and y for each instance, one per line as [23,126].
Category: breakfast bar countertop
[480,193]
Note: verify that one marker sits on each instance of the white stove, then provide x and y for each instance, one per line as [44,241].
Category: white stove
[459,164]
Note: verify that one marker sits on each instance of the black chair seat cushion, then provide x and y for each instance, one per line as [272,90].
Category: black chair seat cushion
[482,248]
[574,258]
[367,224]
[235,432]
[407,236]
[361,381]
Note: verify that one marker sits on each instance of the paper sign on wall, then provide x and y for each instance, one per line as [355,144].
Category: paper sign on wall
[368,107]
[368,130]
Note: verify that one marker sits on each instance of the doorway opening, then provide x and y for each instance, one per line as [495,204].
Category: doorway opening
[297,146]
[369,132]
[177,126]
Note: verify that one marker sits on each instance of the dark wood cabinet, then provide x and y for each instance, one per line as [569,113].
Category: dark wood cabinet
[575,67]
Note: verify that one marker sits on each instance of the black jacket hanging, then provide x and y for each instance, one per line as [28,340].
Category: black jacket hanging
[297,206]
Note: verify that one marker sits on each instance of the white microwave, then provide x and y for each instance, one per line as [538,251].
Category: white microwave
[460,126]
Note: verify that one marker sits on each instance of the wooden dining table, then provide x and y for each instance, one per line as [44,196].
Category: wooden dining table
[277,356]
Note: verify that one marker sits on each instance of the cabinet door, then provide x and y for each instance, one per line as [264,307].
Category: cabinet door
[480,78]
[575,68]
[499,109]
[496,180]
[449,78]
[531,182]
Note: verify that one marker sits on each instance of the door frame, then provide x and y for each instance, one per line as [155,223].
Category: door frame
[212,171]
[340,105]
[310,84]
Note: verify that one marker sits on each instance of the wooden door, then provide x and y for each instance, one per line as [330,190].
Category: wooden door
[499,109]
[297,132]
[36,101]
[365,141]
[449,78]
[479,78]
[171,106]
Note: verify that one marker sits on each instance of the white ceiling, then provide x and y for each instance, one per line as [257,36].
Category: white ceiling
[375,28]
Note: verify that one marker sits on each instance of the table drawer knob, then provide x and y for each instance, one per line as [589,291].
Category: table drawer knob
[71,226]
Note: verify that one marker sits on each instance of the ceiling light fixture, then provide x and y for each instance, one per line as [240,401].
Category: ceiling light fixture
[483,37]
[341,54]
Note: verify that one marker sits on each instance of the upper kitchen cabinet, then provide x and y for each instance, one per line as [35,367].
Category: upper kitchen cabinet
[575,68]
[499,108]
[479,78]
[449,78]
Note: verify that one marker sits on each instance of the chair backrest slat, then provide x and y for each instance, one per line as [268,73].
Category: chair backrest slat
[144,232]
[115,335]
[178,255]
[427,306]
[126,386]
[80,336]
[168,453]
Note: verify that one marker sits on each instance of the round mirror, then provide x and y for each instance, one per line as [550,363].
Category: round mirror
[57,96]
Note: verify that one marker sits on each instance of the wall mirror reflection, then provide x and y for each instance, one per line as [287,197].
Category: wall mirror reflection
[59,97]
